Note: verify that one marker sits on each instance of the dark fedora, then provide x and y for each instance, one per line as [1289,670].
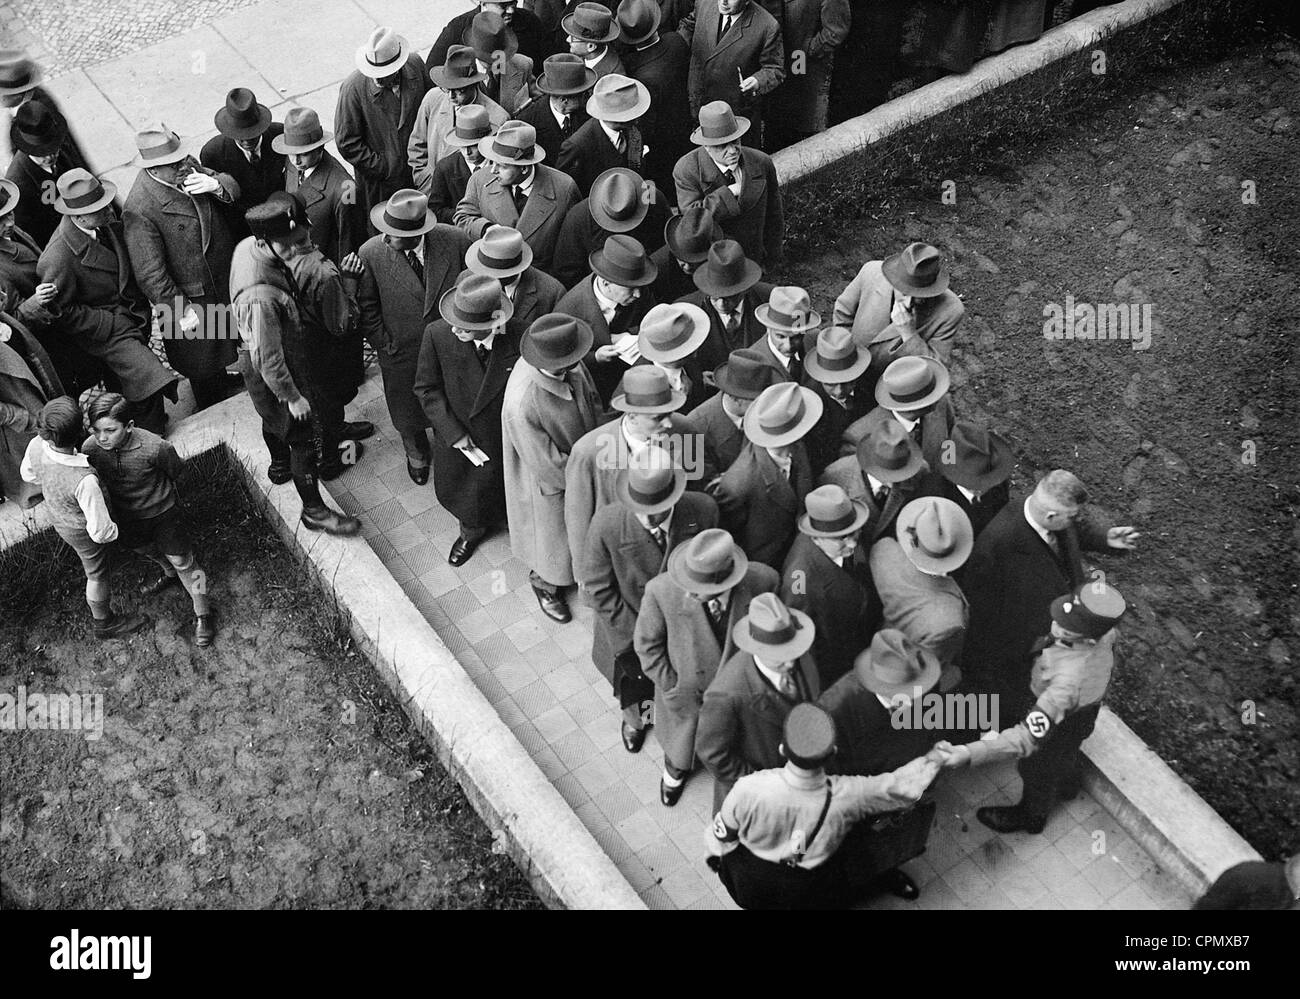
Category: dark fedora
[590,22]
[556,341]
[638,20]
[916,270]
[489,34]
[619,199]
[302,132]
[896,665]
[460,70]
[889,453]
[38,130]
[565,74]
[726,270]
[477,303]
[980,458]
[623,261]
[690,234]
[18,74]
[744,374]
[242,117]
[719,125]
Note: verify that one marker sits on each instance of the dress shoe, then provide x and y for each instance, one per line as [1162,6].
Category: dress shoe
[899,885]
[330,521]
[204,630]
[670,795]
[279,473]
[554,606]
[462,548]
[1009,819]
[158,584]
[334,465]
[633,738]
[119,625]
[358,430]
[418,475]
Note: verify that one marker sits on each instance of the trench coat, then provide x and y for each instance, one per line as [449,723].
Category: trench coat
[338,224]
[487,203]
[835,600]
[755,219]
[760,506]
[752,46]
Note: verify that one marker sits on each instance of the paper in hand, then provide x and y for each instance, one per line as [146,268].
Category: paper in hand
[629,350]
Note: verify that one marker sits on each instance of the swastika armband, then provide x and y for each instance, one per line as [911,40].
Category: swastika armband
[723,832]
[1038,724]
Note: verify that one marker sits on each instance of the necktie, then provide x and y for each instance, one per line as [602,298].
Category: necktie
[521,199]
[255,157]
[566,125]
[658,534]
[789,687]
[724,25]
[882,495]
[482,354]
[730,327]
[416,266]
[729,177]
[715,612]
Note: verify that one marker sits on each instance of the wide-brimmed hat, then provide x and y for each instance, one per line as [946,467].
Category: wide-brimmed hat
[515,143]
[651,483]
[383,54]
[476,303]
[831,514]
[726,270]
[836,359]
[783,414]
[935,534]
[623,261]
[618,98]
[590,22]
[672,332]
[556,341]
[489,34]
[9,196]
[242,117]
[470,124]
[501,253]
[710,563]
[302,132]
[37,129]
[911,383]
[638,20]
[406,213]
[646,389]
[1091,610]
[18,74]
[772,631]
[690,234]
[565,73]
[458,70]
[980,458]
[719,125]
[788,309]
[618,201]
[158,145]
[745,374]
[916,270]
[79,192]
[894,664]
[889,453]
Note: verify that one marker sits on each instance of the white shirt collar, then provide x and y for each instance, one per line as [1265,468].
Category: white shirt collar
[874,482]
[664,526]
[739,421]
[612,134]
[635,446]
[968,493]
[559,116]
[781,359]
[908,425]
[776,677]
[488,340]
[248,154]
[74,460]
[607,304]
[526,185]
[591,62]
[676,376]
[306,172]
[784,464]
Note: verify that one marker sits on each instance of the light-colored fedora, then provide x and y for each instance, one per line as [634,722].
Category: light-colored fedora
[383,54]
[672,332]
[406,213]
[935,534]
[783,414]
[772,631]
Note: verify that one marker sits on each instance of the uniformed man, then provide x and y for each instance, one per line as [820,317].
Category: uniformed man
[778,835]
[1069,679]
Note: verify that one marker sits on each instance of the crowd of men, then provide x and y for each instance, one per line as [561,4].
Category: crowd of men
[785,527]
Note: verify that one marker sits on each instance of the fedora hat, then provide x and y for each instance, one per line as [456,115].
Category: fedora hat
[501,253]
[646,389]
[565,73]
[383,54]
[469,125]
[459,69]
[242,117]
[618,98]
[37,129]
[651,483]
[80,192]
[302,132]
[980,458]
[672,332]
[623,261]
[690,234]
[556,341]
[772,631]
[889,453]
[406,213]
[831,514]
[808,735]
[916,270]
[783,414]
[710,563]
[911,383]
[894,664]
[489,34]
[836,358]
[935,534]
[476,303]
[515,143]
[638,20]
[744,374]
[278,216]
[619,199]
[158,145]
[9,195]
[590,22]
[18,74]
[1091,610]
[789,309]
[726,270]
[719,125]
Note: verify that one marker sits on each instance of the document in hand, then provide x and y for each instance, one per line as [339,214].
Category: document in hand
[476,455]
[629,351]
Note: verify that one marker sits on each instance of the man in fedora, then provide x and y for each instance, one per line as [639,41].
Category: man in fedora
[455,92]
[180,247]
[736,183]
[740,380]
[619,202]
[565,84]
[278,358]
[376,113]
[746,705]
[686,629]
[886,471]
[819,578]
[43,151]
[978,476]
[517,190]
[20,83]
[833,369]
[324,185]
[410,266]
[811,31]
[787,318]
[660,62]
[465,362]
[507,75]
[503,254]
[913,392]
[242,150]
[670,338]
[611,136]
[628,544]
[589,29]
[729,290]
[550,403]
[523,23]
[762,494]
[446,183]
[686,241]
[736,54]
[612,299]
[912,572]
[97,300]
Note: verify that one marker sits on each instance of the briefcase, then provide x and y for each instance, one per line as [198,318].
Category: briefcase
[886,841]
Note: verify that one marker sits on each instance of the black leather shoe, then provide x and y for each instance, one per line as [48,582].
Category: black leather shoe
[554,606]
[670,795]
[119,625]
[418,475]
[204,630]
[157,585]
[358,431]
[899,885]
[633,738]
[330,522]
[462,549]
[1009,819]
[279,474]
[333,467]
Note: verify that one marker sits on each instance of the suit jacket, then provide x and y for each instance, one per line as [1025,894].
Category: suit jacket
[759,507]
[791,371]
[588,153]
[752,46]
[486,203]
[434,121]
[667,125]
[982,512]
[536,294]
[580,302]
[581,235]
[35,213]
[935,428]
[338,223]
[867,743]
[825,442]
[836,602]
[515,87]
[256,183]
[447,185]
[718,346]
[754,220]
[372,129]
[533,40]
[538,114]
[394,307]
[930,610]
[848,475]
[724,439]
